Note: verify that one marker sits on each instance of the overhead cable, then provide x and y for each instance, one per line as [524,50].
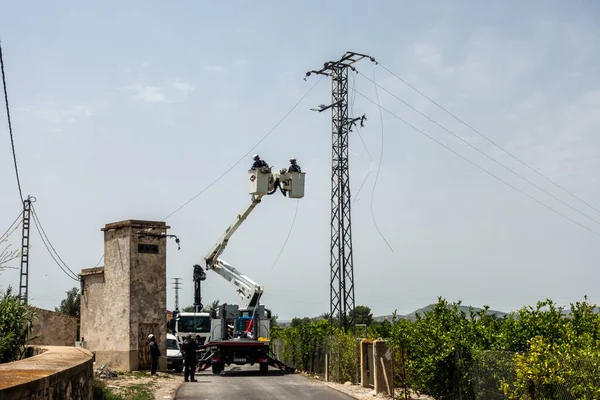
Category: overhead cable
[48,245]
[247,153]
[352,100]
[481,168]
[483,153]
[288,235]
[10,131]
[490,140]
[13,224]
[379,166]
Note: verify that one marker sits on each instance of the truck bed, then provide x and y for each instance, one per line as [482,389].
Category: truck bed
[237,342]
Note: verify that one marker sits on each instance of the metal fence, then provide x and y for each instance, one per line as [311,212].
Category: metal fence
[462,376]
[332,358]
[482,377]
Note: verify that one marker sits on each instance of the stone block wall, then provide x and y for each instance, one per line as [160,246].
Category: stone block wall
[53,329]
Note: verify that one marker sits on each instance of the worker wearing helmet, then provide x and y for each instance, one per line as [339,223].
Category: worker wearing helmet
[154,354]
[258,163]
[294,167]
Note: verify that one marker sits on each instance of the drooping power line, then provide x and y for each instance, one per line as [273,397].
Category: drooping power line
[247,153]
[48,245]
[480,167]
[240,159]
[288,235]
[483,153]
[13,224]
[490,140]
[379,166]
[12,142]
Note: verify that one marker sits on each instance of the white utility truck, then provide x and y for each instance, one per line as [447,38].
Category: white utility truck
[240,334]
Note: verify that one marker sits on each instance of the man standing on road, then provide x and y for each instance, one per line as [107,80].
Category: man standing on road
[154,354]
[189,352]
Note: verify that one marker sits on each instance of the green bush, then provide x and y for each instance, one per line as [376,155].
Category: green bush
[453,351]
[16,320]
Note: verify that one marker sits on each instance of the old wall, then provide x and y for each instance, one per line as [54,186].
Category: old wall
[126,301]
[148,294]
[54,328]
[55,373]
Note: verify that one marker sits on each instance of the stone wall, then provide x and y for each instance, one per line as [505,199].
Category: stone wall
[54,329]
[56,372]
[124,301]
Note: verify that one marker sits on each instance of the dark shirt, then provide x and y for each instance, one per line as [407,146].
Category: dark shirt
[294,168]
[154,350]
[259,163]
[189,350]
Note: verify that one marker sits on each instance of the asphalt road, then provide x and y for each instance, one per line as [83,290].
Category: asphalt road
[245,382]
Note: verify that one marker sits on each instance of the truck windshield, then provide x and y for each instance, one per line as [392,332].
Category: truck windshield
[172,344]
[186,324]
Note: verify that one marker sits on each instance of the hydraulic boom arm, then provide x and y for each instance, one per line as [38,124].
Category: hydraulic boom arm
[262,182]
[248,290]
[213,255]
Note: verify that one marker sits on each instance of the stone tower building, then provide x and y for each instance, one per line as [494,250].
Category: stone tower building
[125,300]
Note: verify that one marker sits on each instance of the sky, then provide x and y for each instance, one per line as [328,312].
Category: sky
[126,110]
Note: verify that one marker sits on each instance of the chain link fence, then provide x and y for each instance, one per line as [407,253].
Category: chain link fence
[488,374]
[335,355]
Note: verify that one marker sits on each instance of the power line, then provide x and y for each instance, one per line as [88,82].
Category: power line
[241,158]
[490,140]
[248,152]
[352,102]
[45,238]
[379,166]
[288,235]
[13,224]
[481,168]
[482,152]
[12,143]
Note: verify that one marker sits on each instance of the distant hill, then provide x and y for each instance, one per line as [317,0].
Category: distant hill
[413,315]
[421,311]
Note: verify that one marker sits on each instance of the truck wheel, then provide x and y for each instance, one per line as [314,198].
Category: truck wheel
[217,368]
[264,368]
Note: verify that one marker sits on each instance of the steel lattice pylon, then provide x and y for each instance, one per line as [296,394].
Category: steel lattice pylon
[341,293]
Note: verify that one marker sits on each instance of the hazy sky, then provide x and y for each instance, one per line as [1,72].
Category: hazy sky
[125,110]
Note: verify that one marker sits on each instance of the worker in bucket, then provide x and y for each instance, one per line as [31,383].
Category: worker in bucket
[258,163]
[294,167]
[154,354]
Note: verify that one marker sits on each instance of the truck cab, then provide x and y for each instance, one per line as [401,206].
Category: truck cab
[191,323]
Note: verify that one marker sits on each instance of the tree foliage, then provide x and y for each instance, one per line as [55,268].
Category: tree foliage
[361,315]
[450,349]
[70,305]
[210,308]
[16,320]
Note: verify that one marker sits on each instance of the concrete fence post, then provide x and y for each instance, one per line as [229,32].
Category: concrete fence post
[365,363]
[382,364]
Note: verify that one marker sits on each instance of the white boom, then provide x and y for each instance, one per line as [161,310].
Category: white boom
[248,290]
[262,182]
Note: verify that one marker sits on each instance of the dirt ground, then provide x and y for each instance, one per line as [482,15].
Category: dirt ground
[162,386]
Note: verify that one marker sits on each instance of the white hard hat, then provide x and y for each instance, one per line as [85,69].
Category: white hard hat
[293,159]
[150,336]
[256,156]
